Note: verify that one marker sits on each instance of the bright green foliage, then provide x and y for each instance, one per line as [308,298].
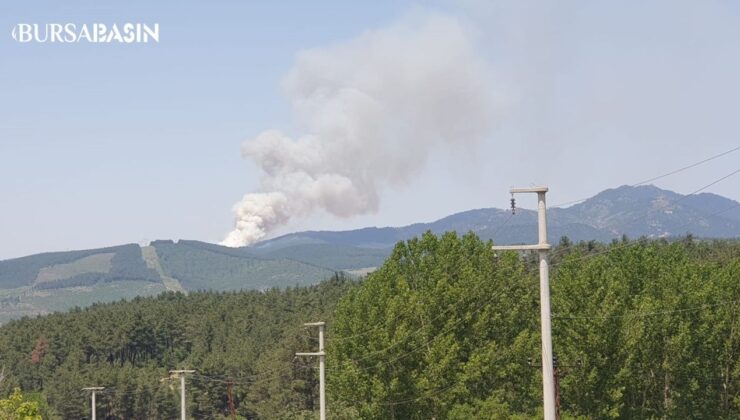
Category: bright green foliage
[438,328]
[16,407]
[652,330]
[445,330]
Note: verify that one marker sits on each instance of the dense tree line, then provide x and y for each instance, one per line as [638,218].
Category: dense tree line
[445,329]
[129,347]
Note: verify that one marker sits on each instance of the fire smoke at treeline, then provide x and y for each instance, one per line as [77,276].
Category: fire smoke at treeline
[371,109]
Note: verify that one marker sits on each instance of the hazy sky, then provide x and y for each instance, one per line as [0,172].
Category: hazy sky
[109,144]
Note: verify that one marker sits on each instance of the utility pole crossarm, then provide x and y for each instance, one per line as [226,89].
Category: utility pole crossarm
[536,247]
[529,190]
[181,373]
[321,353]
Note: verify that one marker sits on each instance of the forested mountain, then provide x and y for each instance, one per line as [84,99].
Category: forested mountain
[445,329]
[44,283]
[632,211]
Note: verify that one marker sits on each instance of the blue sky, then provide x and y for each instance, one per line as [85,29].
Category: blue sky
[109,144]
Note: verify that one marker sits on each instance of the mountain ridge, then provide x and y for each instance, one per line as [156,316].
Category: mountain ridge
[583,220]
[49,281]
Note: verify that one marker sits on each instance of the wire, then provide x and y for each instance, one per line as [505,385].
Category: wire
[496,231]
[564,249]
[426,396]
[687,167]
[628,244]
[655,178]
[651,314]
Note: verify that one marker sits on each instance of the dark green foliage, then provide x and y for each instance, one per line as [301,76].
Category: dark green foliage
[129,347]
[128,264]
[338,257]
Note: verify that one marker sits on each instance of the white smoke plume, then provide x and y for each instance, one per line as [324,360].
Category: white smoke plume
[372,109]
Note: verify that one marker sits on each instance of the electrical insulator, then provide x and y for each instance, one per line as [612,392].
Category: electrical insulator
[513,205]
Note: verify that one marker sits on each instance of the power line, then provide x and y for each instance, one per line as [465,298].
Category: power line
[623,245]
[427,395]
[687,167]
[652,314]
[564,249]
[655,178]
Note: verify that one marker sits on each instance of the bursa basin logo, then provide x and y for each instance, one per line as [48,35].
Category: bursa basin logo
[93,33]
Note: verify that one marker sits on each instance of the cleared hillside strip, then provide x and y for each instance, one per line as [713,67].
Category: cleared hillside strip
[149,253]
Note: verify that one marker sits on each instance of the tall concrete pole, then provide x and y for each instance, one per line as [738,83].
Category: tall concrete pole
[322,355]
[181,374]
[542,247]
[548,382]
[93,390]
[322,380]
[182,397]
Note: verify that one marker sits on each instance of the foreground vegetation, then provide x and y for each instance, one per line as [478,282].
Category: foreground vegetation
[446,329]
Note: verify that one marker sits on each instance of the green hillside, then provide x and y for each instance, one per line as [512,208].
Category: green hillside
[201,266]
[45,283]
[338,257]
[76,268]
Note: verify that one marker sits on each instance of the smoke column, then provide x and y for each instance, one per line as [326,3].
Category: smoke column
[372,109]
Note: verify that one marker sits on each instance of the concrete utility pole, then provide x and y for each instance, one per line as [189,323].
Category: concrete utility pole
[556,378]
[548,382]
[322,355]
[93,390]
[181,373]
